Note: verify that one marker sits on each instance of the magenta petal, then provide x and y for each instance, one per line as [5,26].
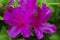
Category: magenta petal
[13,32]
[25,31]
[46,12]
[38,33]
[49,28]
[8,19]
[27,3]
[28,6]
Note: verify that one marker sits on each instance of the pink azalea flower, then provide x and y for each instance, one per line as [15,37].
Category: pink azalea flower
[19,18]
[39,21]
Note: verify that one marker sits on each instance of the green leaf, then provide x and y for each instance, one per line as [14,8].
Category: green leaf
[39,3]
[52,2]
[1,18]
[1,4]
[48,2]
[4,2]
[54,37]
[15,3]
[4,35]
[19,39]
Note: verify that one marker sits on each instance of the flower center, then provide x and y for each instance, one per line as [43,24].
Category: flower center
[19,21]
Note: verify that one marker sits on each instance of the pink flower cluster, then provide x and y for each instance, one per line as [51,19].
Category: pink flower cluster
[29,15]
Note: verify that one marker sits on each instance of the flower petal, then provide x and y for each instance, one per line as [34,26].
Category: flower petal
[49,28]
[45,12]
[25,31]
[13,32]
[28,6]
[38,33]
[8,19]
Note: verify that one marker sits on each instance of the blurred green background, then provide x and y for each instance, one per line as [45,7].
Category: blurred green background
[55,19]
